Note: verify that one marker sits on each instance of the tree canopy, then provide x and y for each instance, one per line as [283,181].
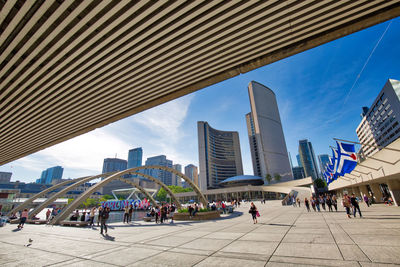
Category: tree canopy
[162,194]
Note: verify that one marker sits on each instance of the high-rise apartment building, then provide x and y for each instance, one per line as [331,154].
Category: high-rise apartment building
[307,158]
[323,161]
[267,142]
[51,174]
[135,157]
[163,176]
[380,124]
[192,172]
[219,155]
[5,177]
[112,165]
[176,180]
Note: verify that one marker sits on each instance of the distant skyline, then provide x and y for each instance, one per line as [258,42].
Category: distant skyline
[318,93]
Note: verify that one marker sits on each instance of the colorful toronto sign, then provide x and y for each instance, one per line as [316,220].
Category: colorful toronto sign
[121,204]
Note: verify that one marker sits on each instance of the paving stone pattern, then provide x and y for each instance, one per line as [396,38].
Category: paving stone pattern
[284,236]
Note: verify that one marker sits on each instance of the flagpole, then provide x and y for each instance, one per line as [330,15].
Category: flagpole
[380,147]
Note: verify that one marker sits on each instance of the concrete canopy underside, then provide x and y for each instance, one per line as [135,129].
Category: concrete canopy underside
[68,67]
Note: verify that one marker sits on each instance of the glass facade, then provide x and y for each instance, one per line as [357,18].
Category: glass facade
[51,174]
[323,161]
[135,157]
[307,158]
[163,176]
[191,171]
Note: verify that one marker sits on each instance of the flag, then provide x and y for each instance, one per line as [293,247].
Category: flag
[346,158]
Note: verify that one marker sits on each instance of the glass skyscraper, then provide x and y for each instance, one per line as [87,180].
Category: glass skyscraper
[111,165]
[176,180]
[135,157]
[323,161]
[51,174]
[307,158]
[163,176]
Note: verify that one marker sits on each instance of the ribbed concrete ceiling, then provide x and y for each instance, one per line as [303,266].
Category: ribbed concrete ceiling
[68,67]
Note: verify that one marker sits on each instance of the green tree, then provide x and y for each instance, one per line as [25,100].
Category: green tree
[162,194]
[90,202]
[268,178]
[106,197]
[277,177]
[319,183]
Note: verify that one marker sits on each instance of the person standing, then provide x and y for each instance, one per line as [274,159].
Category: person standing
[105,213]
[172,212]
[130,212]
[23,218]
[346,204]
[334,202]
[307,203]
[355,205]
[253,211]
[298,202]
[126,214]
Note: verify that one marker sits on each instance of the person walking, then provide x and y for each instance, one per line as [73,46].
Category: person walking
[322,201]
[105,213]
[48,213]
[334,202]
[317,203]
[253,211]
[23,218]
[329,203]
[157,213]
[346,204]
[313,203]
[294,201]
[99,215]
[355,205]
[91,216]
[126,214]
[298,202]
[366,200]
[307,203]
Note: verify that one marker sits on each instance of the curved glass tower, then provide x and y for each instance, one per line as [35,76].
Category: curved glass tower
[219,155]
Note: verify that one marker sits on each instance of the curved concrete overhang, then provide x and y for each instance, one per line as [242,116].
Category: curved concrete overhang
[74,66]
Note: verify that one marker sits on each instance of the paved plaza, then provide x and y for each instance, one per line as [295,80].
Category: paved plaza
[284,236]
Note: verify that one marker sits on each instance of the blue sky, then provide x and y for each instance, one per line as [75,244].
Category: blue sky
[311,88]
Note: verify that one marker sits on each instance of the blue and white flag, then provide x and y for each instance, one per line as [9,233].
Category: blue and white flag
[334,164]
[346,158]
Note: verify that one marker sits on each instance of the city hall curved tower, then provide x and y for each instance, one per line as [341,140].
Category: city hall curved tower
[219,155]
[267,142]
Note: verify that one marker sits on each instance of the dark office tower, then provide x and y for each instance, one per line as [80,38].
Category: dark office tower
[112,165]
[298,161]
[267,142]
[219,155]
[163,176]
[307,158]
[135,157]
[298,173]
